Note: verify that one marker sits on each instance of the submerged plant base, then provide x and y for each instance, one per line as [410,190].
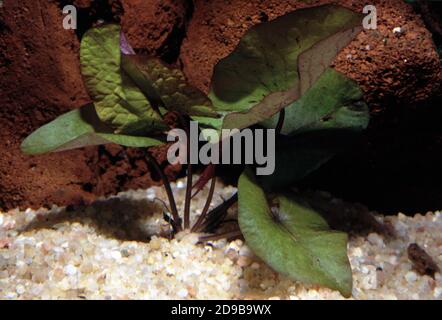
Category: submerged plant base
[118,249]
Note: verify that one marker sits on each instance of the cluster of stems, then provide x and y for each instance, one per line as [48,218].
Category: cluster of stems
[208,221]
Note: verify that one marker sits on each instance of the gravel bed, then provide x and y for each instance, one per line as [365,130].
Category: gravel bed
[118,249]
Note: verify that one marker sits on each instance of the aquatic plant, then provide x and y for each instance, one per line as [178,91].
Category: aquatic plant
[278,76]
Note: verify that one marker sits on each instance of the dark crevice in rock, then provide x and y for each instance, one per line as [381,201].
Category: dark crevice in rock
[111,11]
[107,11]
[3,27]
[171,49]
[395,168]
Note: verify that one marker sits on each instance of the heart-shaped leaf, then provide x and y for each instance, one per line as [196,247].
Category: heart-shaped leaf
[276,62]
[294,240]
[327,119]
[75,129]
[167,86]
[119,102]
[333,102]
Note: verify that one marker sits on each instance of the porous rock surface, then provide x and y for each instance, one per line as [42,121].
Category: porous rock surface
[390,66]
[40,79]
[157,26]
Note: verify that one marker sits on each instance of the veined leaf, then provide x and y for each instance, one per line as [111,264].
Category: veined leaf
[326,120]
[119,102]
[333,102]
[295,241]
[276,62]
[75,129]
[167,86]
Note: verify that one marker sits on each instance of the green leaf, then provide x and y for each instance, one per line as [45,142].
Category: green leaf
[117,99]
[75,129]
[277,61]
[326,120]
[333,102]
[295,240]
[167,86]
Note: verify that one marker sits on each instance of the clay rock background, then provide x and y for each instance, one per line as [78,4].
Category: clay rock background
[156,26]
[399,68]
[40,80]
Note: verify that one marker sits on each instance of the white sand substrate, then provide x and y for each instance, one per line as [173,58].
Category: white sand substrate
[115,249]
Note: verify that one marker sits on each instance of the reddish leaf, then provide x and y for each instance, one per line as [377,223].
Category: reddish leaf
[208,173]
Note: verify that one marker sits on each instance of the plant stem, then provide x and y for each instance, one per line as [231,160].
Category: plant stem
[216,216]
[176,218]
[188,198]
[280,124]
[206,206]
[208,173]
[227,235]
[163,203]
